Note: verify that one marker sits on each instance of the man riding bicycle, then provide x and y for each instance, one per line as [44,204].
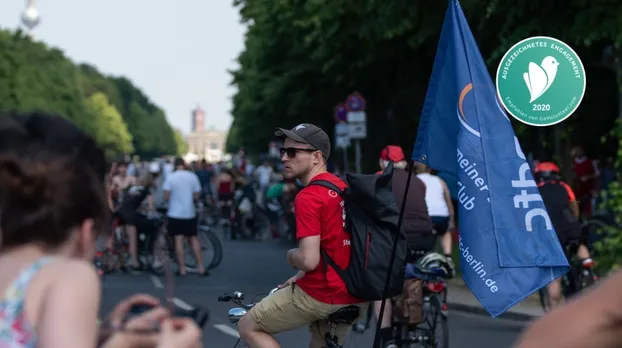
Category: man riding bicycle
[316,291]
[563,209]
[417,225]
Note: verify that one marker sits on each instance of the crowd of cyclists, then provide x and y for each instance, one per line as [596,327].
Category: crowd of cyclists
[59,198]
[240,188]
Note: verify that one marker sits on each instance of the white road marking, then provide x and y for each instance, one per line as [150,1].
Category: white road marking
[181,304]
[156,282]
[227,330]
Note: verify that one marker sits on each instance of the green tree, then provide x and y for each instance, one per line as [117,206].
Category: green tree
[610,247]
[182,144]
[302,57]
[36,77]
[153,136]
[107,126]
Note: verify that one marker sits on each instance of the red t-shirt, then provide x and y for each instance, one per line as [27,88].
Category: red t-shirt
[319,212]
[582,167]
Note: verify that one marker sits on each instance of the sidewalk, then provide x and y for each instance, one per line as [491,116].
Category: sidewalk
[460,298]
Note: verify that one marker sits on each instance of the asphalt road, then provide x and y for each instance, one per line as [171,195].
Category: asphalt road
[257,267]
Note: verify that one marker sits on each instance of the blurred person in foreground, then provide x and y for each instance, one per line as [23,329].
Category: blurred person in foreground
[316,291]
[53,207]
[417,223]
[593,319]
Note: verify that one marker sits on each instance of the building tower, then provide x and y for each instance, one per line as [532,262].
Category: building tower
[198,120]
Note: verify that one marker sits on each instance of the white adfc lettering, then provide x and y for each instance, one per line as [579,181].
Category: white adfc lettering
[522,200]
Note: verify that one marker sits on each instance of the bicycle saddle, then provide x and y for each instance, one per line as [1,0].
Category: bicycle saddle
[346,315]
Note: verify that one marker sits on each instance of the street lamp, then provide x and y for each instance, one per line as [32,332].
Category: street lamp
[30,16]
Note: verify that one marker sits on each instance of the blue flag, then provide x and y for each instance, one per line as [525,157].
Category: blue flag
[508,247]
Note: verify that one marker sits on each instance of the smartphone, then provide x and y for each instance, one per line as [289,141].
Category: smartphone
[200,315]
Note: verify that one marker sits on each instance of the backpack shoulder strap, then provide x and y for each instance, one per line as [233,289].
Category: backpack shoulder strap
[329,185]
[328,261]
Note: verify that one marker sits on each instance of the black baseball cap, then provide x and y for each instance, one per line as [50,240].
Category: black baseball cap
[307,133]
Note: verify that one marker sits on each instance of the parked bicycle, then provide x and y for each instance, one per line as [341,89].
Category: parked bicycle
[346,315]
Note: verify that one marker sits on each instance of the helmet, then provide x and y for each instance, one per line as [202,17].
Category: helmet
[154,167]
[546,171]
[434,263]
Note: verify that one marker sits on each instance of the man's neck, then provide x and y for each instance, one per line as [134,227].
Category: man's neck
[313,173]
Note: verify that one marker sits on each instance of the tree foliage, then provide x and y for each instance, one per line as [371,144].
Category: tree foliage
[610,247]
[182,144]
[303,57]
[106,125]
[111,109]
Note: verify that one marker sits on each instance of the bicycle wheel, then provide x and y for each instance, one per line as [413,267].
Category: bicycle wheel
[217,245]
[435,323]
[162,253]
[207,250]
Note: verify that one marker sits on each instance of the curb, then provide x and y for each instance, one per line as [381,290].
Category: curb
[461,307]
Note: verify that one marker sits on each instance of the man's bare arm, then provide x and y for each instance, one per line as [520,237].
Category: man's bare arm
[307,256]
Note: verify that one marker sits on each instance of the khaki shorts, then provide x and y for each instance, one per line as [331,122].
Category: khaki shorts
[291,308]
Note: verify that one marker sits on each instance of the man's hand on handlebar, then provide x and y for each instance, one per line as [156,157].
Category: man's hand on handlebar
[293,279]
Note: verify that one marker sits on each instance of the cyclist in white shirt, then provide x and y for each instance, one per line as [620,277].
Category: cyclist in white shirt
[440,208]
[182,189]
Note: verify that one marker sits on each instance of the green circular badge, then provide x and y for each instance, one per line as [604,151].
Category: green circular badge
[540,81]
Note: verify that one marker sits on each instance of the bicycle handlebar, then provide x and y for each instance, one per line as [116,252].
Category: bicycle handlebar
[237,298]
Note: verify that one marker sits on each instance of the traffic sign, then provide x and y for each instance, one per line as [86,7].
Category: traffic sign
[358,130]
[341,113]
[355,102]
[357,117]
[342,135]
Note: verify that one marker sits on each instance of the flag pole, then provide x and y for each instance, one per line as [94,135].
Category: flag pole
[411,164]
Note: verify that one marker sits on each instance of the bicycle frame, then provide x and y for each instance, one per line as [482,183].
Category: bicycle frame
[426,336]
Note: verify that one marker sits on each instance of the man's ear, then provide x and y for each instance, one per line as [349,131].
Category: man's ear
[317,157]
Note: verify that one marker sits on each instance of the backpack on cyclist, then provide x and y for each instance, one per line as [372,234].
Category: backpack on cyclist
[372,220]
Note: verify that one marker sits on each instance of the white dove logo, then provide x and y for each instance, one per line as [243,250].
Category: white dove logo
[539,78]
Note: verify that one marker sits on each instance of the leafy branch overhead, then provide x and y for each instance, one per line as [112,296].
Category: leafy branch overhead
[111,109]
[302,57]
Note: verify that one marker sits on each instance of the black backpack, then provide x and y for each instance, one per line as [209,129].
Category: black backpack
[371,219]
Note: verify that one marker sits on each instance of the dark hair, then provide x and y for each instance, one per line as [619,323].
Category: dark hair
[51,180]
[179,162]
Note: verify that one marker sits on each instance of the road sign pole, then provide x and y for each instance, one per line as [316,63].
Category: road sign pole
[345,159]
[357,154]
[357,120]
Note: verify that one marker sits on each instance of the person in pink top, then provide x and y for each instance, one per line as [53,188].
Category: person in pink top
[53,207]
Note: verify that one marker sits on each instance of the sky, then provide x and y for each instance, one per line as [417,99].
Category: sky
[176,52]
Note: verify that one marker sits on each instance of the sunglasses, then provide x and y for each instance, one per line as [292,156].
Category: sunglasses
[292,151]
